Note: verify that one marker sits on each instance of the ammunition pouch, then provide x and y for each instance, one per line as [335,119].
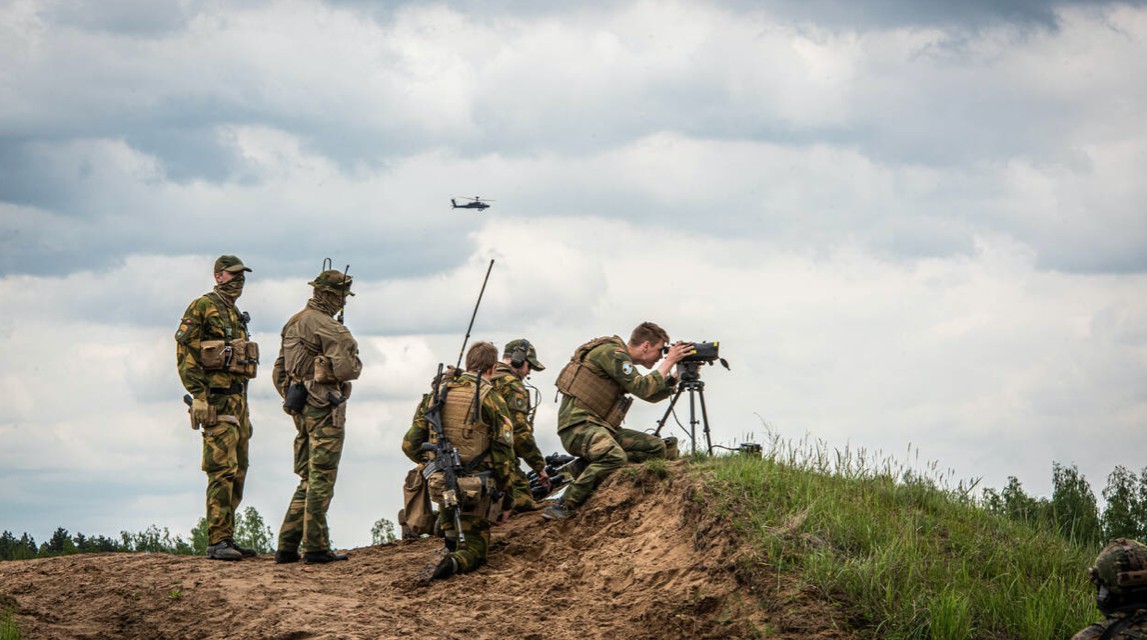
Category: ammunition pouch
[477,494]
[324,373]
[602,396]
[238,356]
[295,399]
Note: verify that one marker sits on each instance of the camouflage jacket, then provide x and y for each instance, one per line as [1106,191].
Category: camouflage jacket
[611,360]
[308,334]
[513,391]
[1134,629]
[495,413]
[208,317]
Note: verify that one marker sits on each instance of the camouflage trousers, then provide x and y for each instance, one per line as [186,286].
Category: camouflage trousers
[1133,629]
[472,554]
[225,449]
[606,451]
[318,448]
[520,489]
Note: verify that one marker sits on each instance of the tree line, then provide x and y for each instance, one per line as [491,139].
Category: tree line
[1073,511]
[250,531]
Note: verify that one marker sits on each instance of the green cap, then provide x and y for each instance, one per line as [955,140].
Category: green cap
[333,280]
[523,345]
[229,263]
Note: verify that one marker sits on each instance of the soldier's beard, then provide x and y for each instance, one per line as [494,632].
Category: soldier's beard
[232,289]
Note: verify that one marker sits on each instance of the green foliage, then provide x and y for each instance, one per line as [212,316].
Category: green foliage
[908,556]
[382,532]
[1073,506]
[252,532]
[9,629]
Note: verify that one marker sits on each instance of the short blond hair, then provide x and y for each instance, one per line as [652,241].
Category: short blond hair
[481,356]
[647,332]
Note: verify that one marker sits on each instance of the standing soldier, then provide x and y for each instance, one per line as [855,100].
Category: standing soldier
[1120,579]
[518,359]
[477,423]
[215,360]
[594,386]
[317,360]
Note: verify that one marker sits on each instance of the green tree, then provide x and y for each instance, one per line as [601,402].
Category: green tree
[1121,517]
[1073,506]
[199,539]
[251,531]
[382,532]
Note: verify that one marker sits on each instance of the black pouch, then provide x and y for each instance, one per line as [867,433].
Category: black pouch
[295,399]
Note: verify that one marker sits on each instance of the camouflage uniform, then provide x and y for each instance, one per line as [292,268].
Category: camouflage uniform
[1120,578]
[320,353]
[586,434]
[1135,629]
[214,316]
[507,384]
[495,416]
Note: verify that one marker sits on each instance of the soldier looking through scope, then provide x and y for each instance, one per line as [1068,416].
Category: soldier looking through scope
[595,385]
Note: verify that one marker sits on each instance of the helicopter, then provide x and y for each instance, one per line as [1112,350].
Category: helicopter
[475,203]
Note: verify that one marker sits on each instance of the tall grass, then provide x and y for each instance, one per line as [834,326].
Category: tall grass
[907,553]
[9,630]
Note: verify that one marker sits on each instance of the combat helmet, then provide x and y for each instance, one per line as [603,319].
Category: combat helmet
[1120,576]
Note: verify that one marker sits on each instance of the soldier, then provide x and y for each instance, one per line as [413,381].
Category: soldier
[594,386]
[316,363]
[215,360]
[485,443]
[1120,579]
[518,359]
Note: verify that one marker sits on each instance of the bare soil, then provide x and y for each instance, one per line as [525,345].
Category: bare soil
[641,561]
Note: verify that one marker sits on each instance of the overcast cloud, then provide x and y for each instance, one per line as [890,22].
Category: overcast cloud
[908,223]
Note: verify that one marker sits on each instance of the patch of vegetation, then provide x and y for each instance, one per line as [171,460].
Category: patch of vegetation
[905,554]
[9,629]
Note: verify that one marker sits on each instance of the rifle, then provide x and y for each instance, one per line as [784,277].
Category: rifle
[446,458]
[561,469]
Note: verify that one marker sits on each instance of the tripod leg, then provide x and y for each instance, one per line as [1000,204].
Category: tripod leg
[669,410]
[692,421]
[705,418]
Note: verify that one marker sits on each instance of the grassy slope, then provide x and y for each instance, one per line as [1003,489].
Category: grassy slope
[904,555]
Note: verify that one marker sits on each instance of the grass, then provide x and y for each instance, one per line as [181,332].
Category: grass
[903,552]
[9,630]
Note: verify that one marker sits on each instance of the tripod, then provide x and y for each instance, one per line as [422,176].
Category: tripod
[691,382]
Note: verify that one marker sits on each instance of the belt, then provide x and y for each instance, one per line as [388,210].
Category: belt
[236,387]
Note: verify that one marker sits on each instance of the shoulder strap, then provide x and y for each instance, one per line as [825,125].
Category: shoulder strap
[1119,625]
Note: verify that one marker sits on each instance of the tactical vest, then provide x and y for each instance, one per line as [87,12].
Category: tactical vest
[462,420]
[234,354]
[591,388]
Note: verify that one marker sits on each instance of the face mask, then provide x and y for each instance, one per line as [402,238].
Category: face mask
[231,289]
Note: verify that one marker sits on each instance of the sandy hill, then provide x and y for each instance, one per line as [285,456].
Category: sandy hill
[640,561]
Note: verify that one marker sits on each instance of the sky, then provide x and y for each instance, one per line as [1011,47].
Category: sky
[918,229]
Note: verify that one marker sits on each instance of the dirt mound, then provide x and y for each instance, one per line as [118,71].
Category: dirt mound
[641,561]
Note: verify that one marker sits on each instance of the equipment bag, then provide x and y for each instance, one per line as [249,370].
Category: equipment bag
[418,512]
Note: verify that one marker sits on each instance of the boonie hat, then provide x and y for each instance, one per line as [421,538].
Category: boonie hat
[333,280]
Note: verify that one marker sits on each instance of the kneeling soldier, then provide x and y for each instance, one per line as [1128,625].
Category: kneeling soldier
[477,424]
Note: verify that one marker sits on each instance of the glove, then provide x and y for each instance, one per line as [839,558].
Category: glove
[202,413]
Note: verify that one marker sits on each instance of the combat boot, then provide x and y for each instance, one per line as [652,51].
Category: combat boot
[558,511]
[286,557]
[223,551]
[247,553]
[323,557]
[446,568]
